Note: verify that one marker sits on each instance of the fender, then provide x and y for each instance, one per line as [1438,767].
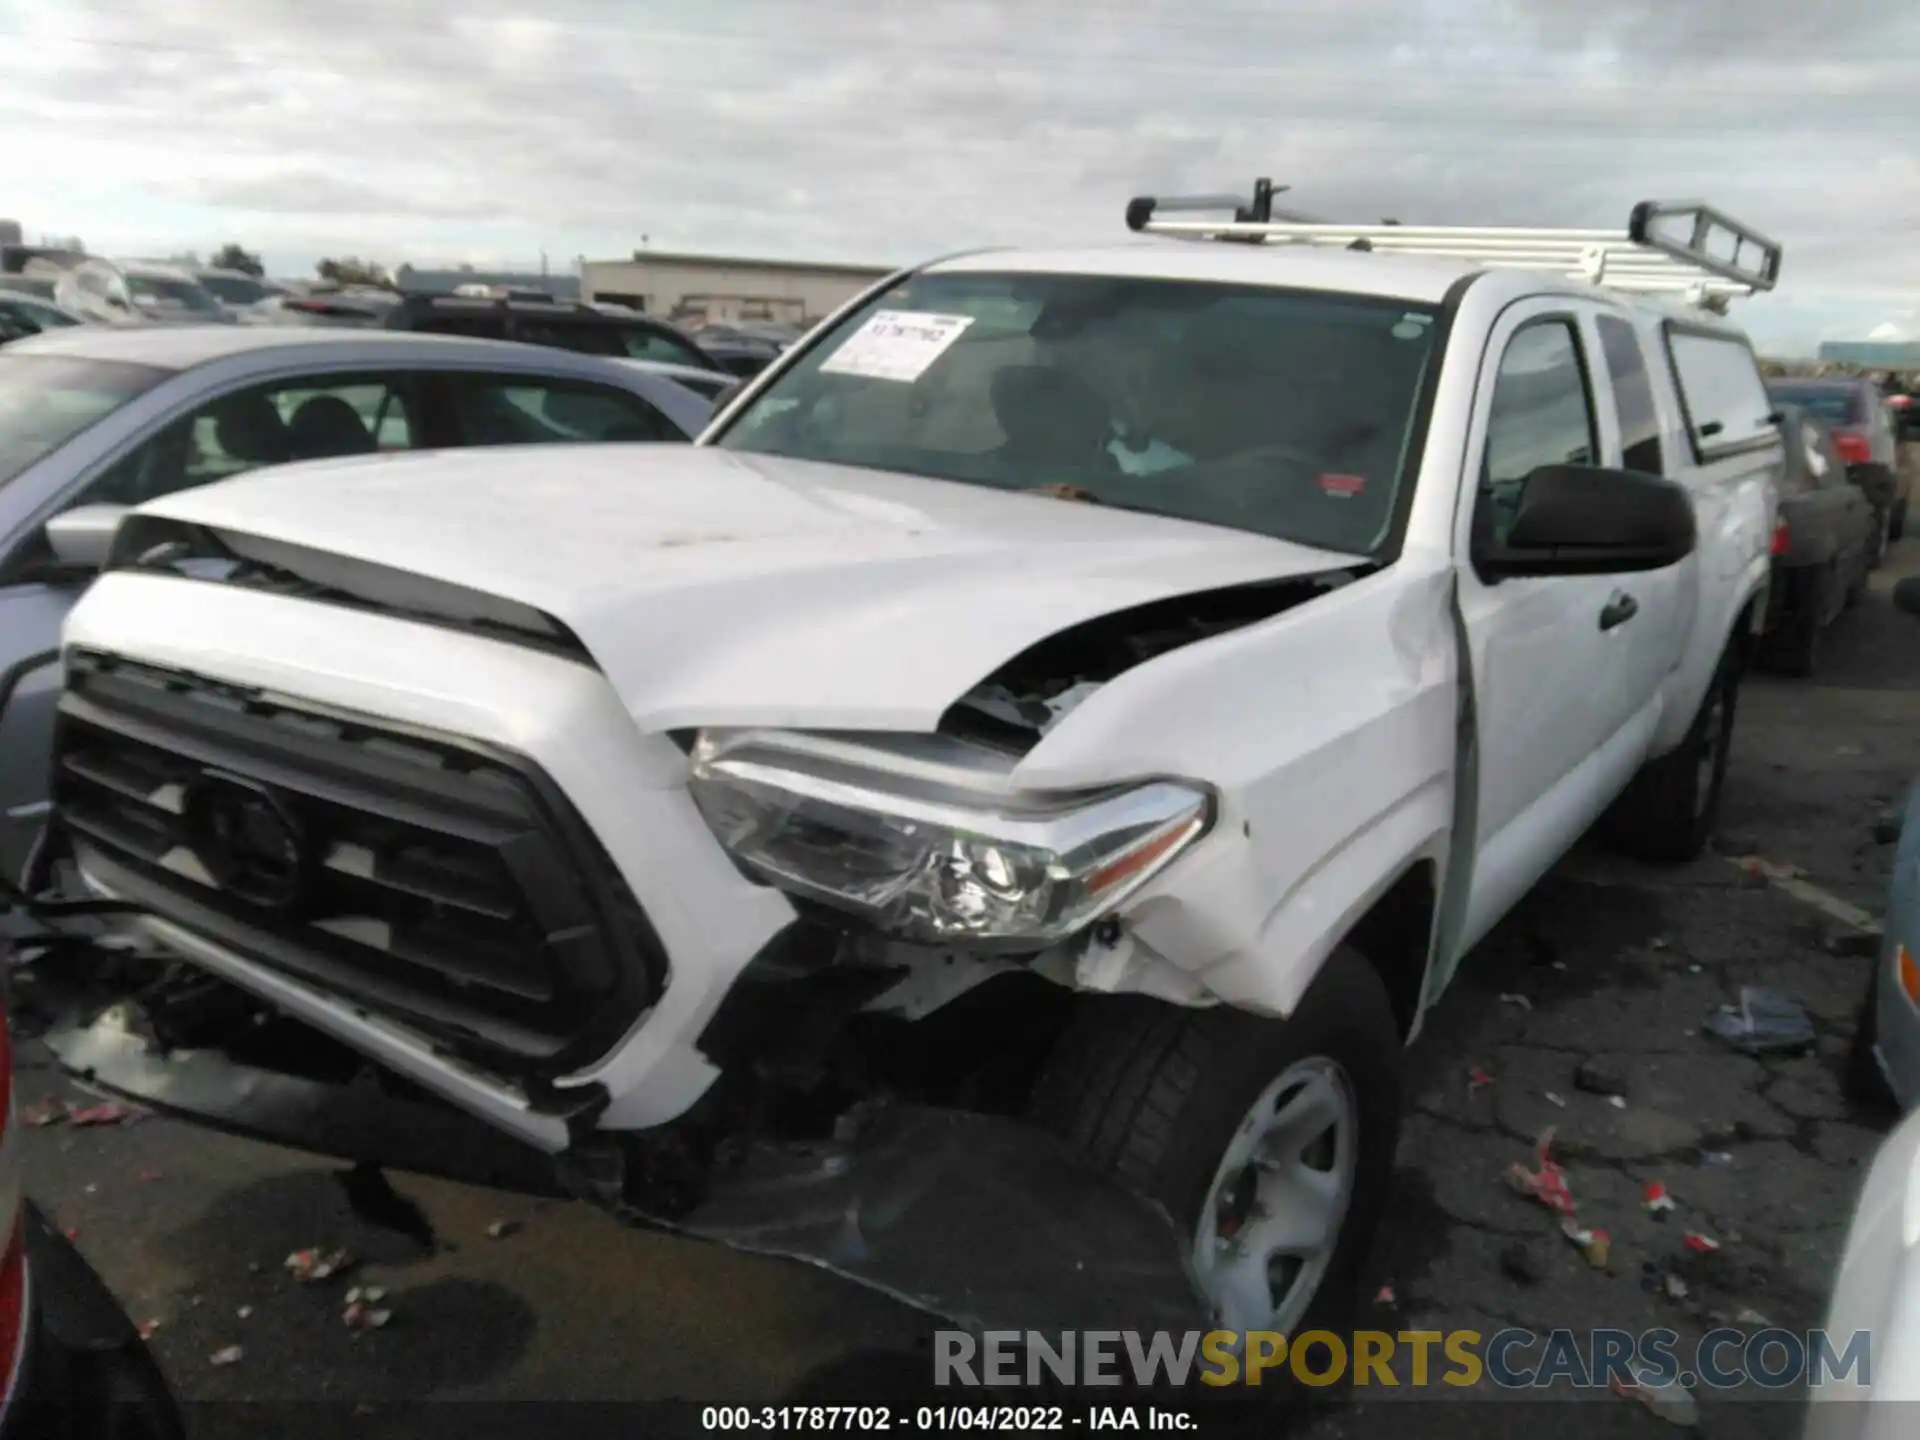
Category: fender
[1712,633]
[1354,696]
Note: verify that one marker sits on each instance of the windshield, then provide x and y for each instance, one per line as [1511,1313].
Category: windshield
[236,289]
[1281,412]
[181,293]
[46,400]
[1835,404]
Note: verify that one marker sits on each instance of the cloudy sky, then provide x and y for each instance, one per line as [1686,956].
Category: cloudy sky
[886,130]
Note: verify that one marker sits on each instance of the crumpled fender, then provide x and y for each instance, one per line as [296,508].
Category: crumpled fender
[1357,690]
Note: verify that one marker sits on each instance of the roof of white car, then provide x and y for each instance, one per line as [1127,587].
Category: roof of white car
[181,347]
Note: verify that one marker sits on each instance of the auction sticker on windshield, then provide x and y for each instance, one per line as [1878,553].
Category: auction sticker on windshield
[896,345]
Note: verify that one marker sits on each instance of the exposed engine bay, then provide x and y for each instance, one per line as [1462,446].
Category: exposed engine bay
[1012,709]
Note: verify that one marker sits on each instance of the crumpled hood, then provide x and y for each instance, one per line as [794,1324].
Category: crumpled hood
[715,588]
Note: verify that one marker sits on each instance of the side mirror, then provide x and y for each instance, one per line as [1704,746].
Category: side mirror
[1586,520]
[1906,595]
[81,537]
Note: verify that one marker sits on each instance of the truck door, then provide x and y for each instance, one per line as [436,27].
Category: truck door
[1641,656]
[1545,651]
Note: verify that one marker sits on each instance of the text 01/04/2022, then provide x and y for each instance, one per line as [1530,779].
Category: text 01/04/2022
[933,1419]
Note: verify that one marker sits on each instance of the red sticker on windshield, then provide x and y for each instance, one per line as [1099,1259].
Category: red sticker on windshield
[1345,486]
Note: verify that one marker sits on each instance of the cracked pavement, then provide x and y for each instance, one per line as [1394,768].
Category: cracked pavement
[1620,964]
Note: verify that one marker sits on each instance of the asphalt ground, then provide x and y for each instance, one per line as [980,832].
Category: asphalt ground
[1617,964]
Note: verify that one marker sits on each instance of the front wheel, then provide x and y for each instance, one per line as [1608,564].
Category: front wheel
[1270,1142]
[1669,811]
[1866,1085]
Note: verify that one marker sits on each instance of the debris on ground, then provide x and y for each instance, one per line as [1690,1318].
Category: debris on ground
[1716,1157]
[1596,1245]
[1386,1296]
[1596,1078]
[245,1312]
[1546,1182]
[1764,1022]
[228,1356]
[501,1229]
[1675,1287]
[110,1112]
[370,1294]
[147,1327]
[359,1315]
[1701,1244]
[1668,1399]
[1659,942]
[1519,1261]
[1695,969]
[1618,1102]
[73,1232]
[1520,1002]
[1656,1199]
[44,1112]
[1751,1318]
[310,1266]
[1555,1100]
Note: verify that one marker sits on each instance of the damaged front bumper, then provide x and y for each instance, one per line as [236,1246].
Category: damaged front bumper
[981,1220]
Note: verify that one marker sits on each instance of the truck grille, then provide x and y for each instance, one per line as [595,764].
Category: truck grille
[423,877]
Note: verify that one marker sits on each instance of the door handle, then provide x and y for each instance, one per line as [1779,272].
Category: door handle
[1621,608]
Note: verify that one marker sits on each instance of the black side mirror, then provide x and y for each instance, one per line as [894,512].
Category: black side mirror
[1586,520]
[1906,594]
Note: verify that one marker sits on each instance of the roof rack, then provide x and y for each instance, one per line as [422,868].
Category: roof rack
[1683,247]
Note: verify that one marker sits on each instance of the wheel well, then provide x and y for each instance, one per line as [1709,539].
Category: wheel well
[1745,630]
[1395,937]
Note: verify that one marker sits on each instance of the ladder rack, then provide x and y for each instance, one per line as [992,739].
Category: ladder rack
[1680,247]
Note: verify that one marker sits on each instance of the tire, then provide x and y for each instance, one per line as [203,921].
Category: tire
[1668,813]
[1857,591]
[1897,522]
[1865,1085]
[1796,649]
[1156,1095]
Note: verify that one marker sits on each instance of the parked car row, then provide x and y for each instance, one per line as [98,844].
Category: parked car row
[84,289]
[1844,497]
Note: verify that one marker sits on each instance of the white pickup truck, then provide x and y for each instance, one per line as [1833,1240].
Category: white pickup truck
[1110,688]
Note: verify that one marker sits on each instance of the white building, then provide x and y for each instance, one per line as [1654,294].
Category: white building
[696,288]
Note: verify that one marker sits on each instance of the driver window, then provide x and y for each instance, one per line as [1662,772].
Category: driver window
[1541,414]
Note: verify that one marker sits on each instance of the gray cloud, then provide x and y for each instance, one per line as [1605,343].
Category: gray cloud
[883,132]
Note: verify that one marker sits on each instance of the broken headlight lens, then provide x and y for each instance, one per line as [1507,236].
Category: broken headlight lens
[940,866]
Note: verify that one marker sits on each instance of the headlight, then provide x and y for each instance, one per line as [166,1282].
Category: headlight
[939,865]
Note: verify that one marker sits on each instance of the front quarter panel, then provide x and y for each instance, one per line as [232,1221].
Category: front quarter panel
[1327,734]
[1735,501]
